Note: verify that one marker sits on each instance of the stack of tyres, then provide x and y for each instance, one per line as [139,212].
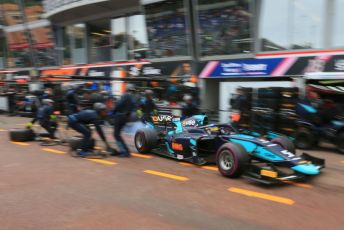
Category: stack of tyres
[265,106]
[287,120]
[245,120]
[268,98]
[287,117]
[263,120]
[289,98]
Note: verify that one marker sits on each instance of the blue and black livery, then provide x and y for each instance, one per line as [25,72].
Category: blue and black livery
[235,153]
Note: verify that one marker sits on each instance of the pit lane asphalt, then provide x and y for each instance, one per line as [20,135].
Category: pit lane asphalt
[48,189]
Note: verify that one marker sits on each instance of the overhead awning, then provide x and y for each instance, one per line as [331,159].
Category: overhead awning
[86,10]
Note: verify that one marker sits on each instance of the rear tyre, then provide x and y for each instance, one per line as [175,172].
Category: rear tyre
[145,140]
[232,160]
[340,142]
[22,135]
[304,138]
[285,143]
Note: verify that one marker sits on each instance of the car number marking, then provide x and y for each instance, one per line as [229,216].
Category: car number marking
[191,122]
[290,155]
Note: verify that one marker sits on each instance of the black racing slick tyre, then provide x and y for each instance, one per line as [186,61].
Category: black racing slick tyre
[232,160]
[340,142]
[285,143]
[22,135]
[304,138]
[146,140]
[75,143]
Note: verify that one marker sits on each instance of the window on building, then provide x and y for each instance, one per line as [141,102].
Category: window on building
[224,27]
[19,49]
[11,12]
[77,33]
[2,52]
[292,24]
[119,39]
[67,57]
[33,9]
[137,37]
[338,29]
[44,46]
[166,28]
[99,40]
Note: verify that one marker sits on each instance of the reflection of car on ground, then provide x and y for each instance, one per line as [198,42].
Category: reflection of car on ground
[235,153]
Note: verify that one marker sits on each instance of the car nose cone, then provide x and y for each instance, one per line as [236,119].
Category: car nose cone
[308,169]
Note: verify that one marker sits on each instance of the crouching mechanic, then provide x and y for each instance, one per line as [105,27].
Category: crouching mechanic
[46,118]
[80,122]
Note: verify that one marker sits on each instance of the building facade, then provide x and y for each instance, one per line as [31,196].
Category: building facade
[216,41]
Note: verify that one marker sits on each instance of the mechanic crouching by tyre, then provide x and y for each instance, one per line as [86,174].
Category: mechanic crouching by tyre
[80,122]
[121,114]
[46,118]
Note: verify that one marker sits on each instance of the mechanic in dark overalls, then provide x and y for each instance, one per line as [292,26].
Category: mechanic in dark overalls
[121,114]
[72,102]
[147,107]
[80,122]
[46,118]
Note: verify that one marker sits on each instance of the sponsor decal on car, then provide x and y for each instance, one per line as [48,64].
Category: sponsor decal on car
[189,122]
[176,146]
[162,118]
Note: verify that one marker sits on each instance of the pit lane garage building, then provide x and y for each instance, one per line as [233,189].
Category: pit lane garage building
[214,45]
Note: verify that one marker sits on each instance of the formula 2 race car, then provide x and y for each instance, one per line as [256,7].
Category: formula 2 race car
[236,154]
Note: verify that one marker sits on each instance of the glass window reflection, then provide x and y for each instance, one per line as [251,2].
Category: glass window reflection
[119,40]
[292,24]
[166,28]
[224,27]
[77,34]
[99,40]
[338,28]
[137,37]
[11,12]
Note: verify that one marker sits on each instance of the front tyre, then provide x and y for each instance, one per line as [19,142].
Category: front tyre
[145,140]
[232,160]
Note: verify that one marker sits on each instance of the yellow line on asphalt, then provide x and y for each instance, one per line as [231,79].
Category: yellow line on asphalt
[141,155]
[104,162]
[342,162]
[212,168]
[26,124]
[20,143]
[262,196]
[3,130]
[301,185]
[167,175]
[54,151]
